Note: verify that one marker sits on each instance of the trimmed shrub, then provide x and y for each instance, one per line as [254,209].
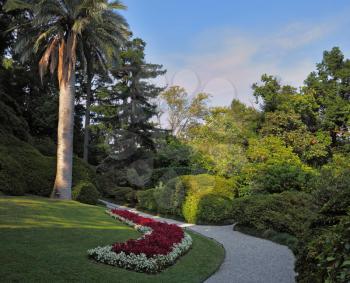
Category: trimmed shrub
[206,207]
[85,192]
[146,200]
[196,197]
[287,212]
[205,195]
[38,170]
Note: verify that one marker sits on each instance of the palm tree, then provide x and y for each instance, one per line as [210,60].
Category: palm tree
[55,31]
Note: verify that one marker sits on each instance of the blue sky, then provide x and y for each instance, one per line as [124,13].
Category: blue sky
[222,47]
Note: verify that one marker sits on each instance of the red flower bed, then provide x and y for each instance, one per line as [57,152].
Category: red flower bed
[159,242]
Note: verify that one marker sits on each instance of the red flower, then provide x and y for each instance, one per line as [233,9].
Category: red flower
[160,242]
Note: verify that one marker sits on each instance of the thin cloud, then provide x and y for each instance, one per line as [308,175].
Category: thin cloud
[228,62]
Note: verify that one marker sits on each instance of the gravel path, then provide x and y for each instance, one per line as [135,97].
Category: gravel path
[248,259]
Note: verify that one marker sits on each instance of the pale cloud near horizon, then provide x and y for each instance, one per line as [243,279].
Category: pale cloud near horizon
[225,63]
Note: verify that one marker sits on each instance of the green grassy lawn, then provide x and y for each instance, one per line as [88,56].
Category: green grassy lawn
[46,240]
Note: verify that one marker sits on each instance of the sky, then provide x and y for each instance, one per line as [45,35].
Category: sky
[222,47]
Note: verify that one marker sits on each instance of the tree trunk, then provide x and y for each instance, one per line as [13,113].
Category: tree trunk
[87,116]
[63,181]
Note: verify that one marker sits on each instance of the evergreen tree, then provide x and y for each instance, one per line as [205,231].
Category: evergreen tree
[125,110]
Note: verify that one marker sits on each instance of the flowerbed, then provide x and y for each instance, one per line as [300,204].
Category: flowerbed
[159,247]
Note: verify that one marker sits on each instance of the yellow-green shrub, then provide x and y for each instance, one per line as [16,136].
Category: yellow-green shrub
[188,197]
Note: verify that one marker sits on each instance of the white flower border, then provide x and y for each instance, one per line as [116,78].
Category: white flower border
[139,262]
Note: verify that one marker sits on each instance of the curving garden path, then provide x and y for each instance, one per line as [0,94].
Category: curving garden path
[247,259]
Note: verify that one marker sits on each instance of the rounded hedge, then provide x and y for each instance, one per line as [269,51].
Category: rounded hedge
[287,212]
[206,207]
[213,208]
[85,192]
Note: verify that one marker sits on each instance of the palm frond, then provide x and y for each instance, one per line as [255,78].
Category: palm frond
[61,29]
[80,24]
[118,5]
[44,61]
[42,37]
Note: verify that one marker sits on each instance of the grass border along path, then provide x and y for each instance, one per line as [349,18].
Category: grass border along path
[46,240]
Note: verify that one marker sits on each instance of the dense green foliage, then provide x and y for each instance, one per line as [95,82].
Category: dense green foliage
[325,243]
[60,233]
[326,258]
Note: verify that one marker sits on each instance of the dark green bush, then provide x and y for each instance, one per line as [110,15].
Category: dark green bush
[146,200]
[85,192]
[287,212]
[280,177]
[38,170]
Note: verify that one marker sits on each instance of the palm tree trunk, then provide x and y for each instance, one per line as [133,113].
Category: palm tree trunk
[87,116]
[63,181]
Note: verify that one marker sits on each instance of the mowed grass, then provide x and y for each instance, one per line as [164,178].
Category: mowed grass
[43,240]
